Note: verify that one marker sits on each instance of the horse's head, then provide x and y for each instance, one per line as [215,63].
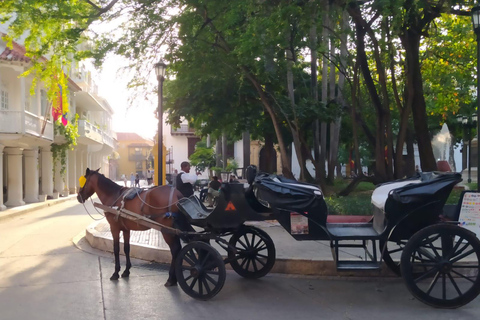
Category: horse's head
[87,185]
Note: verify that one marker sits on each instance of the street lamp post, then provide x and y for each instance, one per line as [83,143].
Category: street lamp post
[476,28]
[160,68]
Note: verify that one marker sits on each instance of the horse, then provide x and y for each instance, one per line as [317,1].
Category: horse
[154,203]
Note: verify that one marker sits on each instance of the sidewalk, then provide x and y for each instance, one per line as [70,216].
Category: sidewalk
[18,211]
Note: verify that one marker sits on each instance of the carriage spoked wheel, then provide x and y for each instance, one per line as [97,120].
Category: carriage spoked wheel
[440,266]
[393,250]
[255,252]
[200,270]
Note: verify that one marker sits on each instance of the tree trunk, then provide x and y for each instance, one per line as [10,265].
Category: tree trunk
[314,87]
[451,154]
[380,168]
[411,43]
[246,151]
[409,168]
[323,125]
[294,128]
[286,164]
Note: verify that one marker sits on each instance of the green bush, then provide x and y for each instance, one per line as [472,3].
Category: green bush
[353,204]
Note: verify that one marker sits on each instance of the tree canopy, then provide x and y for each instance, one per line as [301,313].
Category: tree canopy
[380,75]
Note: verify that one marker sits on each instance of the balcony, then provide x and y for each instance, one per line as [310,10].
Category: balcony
[184,130]
[108,140]
[24,122]
[137,157]
[88,133]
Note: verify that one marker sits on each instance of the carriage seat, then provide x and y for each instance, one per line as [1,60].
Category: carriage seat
[380,194]
[193,208]
[132,193]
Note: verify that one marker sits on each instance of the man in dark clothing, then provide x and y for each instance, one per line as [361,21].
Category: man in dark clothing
[185,180]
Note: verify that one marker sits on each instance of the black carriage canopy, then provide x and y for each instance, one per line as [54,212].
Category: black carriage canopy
[424,184]
[282,193]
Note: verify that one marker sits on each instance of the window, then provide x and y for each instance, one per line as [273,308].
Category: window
[138,151]
[3,97]
[138,166]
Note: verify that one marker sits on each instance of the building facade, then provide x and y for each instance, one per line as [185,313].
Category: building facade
[134,155]
[28,173]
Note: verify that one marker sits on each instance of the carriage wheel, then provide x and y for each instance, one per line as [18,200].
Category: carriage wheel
[255,252]
[440,266]
[200,270]
[393,249]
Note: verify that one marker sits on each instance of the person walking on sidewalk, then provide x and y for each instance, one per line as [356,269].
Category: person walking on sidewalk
[137,181]
[132,180]
[185,180]
[124,179]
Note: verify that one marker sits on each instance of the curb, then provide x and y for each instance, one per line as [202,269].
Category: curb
[21,210]
[310,267]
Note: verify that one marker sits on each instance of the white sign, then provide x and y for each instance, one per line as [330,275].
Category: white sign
[469,217]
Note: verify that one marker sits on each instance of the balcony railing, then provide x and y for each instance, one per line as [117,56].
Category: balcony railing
[184,130]
[24,122]
[137,157]
[87,130]
[108,140]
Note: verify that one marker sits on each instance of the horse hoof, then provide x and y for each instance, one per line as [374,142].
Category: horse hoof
[170,283]
[114,277]
[125,274]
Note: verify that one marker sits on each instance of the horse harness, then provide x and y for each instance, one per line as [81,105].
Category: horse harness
[131,193]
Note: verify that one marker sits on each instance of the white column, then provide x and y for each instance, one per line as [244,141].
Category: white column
[2,206]
[57,180]
[65,179]
[31,175]
[89,161]
[72,172]
[47,173]
[85,161]
[80,168]
[14,178]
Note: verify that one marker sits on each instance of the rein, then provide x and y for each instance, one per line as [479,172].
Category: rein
[170,204]
[103,216]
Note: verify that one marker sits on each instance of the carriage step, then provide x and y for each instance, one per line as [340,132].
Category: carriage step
[358,265]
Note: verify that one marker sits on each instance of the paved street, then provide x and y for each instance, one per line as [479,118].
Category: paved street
[45,276]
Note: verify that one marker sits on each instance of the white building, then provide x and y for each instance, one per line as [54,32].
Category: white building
[27,133]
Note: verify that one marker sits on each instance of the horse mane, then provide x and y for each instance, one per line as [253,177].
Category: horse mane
[105,183]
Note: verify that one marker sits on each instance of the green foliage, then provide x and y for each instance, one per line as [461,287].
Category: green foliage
[354,204]
[202,158]
[59,150]
[231,165]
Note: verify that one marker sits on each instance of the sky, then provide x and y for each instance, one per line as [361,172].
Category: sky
[112,85]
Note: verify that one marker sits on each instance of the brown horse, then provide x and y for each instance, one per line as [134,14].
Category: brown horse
[155,203]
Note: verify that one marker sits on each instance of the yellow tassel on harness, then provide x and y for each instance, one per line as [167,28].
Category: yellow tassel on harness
[82,180]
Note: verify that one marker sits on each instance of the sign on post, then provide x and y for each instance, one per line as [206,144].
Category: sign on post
[469,216]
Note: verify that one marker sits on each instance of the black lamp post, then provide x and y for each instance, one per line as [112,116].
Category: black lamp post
[468,124]
[160,68]
[476,28]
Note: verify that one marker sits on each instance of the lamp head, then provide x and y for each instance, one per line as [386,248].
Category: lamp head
[160,68]
[476,19]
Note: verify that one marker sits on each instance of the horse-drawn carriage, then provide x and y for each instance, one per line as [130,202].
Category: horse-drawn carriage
[409,230]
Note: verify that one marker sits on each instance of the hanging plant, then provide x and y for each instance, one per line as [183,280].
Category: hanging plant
[59,151]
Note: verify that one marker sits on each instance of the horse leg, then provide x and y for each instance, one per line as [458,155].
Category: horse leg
[116,251]
[175,247]
[126,249]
